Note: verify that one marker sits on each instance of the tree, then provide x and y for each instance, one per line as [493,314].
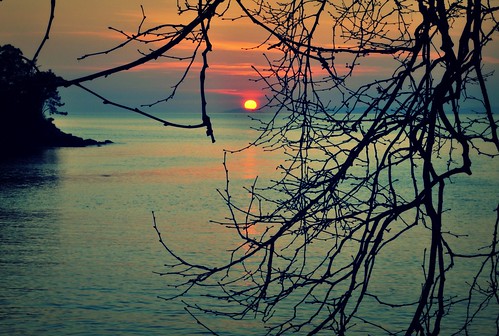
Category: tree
[367,164]
[27,95]
[20,79]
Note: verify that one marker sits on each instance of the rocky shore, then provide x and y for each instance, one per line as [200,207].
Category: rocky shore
[45,135]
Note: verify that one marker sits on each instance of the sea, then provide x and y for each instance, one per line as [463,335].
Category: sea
[78,251]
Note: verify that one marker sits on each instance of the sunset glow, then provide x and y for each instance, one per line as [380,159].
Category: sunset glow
[238,53]
[250,104]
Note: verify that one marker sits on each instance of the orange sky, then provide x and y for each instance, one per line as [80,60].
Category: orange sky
[81,26]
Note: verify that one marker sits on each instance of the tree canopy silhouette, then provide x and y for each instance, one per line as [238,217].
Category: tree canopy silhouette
[28,97]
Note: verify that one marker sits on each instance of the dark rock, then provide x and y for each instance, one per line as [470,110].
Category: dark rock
[44,135]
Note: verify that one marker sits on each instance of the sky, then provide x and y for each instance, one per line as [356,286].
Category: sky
[81,27]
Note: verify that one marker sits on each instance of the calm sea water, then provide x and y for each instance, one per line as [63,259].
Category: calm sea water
[77,247]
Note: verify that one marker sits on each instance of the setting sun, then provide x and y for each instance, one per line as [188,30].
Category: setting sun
[250,104]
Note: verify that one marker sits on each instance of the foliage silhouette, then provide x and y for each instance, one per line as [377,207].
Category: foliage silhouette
[29,97]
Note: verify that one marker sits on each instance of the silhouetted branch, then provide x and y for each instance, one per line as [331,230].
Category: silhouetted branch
[196,31]
[138,111]
[366,167]
[206,12]
[47,31]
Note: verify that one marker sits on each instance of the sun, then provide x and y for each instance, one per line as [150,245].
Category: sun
[250,104]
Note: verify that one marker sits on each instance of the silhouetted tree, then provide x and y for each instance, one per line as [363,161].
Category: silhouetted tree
[367,167]
[26,96]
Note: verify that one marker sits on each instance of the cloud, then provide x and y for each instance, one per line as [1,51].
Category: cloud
[490,60]
[105,34]
[236,92]
[233,69]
